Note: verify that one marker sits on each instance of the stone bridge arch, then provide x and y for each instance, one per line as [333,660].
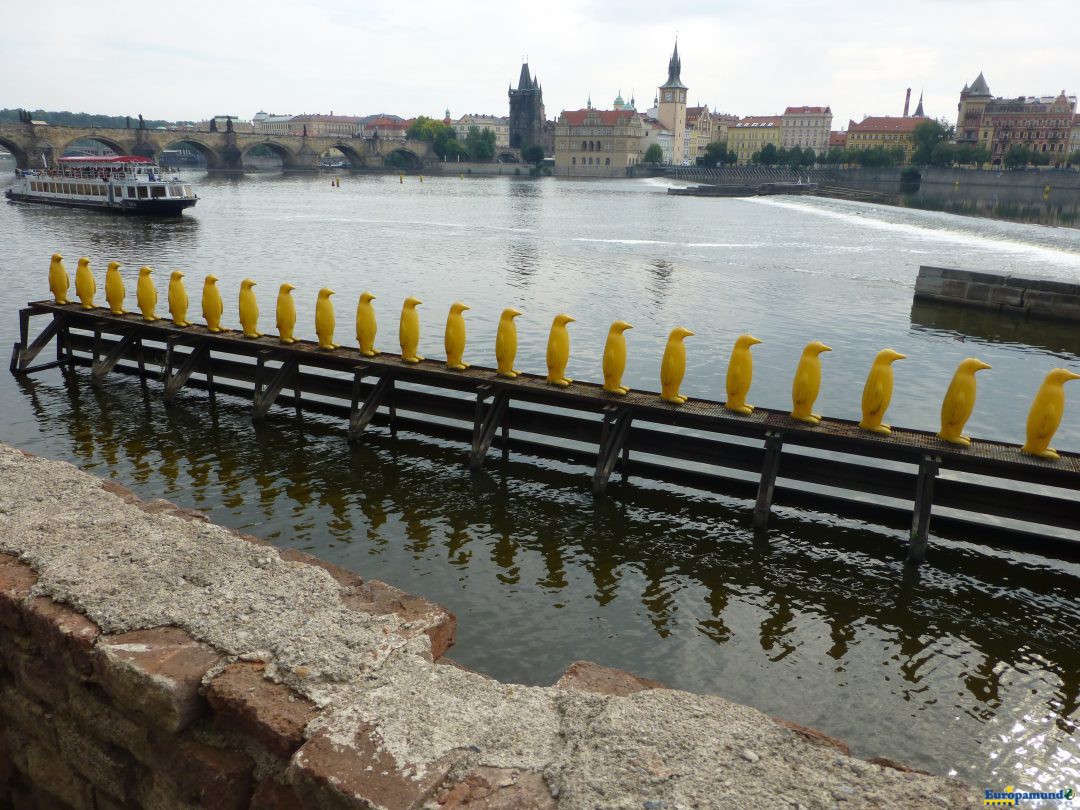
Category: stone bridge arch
[104,140]
[355,156]
[289,159]
[209,154]
[22,158]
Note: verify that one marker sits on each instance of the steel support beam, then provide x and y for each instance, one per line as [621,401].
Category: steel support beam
[361,413]
[486,422]
[102,367]
[774,444]
[613,438]
[924,500]
[265,397]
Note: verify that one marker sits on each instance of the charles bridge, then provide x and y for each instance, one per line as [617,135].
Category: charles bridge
[223,150]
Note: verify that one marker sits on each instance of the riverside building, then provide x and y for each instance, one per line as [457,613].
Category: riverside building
[598,143]
[1042,123]
[751,133]
[886,131]
[671,107]
[806,128]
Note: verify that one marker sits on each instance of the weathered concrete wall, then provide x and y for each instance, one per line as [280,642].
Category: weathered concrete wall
[1012,294]
[151,659]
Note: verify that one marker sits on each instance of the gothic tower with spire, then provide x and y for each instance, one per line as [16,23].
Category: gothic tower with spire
[526,110]
[671,110]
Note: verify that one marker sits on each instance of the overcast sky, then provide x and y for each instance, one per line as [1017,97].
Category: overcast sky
[190,60]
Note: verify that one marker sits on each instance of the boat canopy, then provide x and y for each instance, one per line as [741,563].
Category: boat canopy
[112,159]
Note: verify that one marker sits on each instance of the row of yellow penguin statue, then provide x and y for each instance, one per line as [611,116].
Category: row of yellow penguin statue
[1043,420]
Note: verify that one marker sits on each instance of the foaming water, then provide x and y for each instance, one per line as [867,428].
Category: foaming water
[970,666]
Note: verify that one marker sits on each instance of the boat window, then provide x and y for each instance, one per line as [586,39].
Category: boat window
[187,191]
[131,192]
[142,192]
[157,191]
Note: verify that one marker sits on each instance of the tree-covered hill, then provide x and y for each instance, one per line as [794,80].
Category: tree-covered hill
[70,119]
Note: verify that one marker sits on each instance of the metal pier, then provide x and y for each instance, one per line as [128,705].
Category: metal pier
[987,492]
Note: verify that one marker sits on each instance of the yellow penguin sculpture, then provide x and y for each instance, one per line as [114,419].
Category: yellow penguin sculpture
[249,309]
[960,402]
[454,339]
[877,393]
[366,327]
[673,365]
[506,343]
[58,279]
[212,305]
[558,351]
[114,288]
[146,293]
[740,372]
[807,383]
[286,313]
[324,319]
[1045,414]
[85,285]
[178,299]
[409,330]
[614,362]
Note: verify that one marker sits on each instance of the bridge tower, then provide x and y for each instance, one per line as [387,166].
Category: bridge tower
[526,110]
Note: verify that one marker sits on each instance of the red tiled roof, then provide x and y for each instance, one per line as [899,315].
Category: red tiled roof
[837,138]
[576,118]
[388,123]
[759,120]
[695,112]
[326,119]
[807,111]
[886,123]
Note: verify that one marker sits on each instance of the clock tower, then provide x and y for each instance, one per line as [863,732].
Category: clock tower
[671,110]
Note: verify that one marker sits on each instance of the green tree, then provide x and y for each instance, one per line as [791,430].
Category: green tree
[533,153]
[943,154]
[1074,158]
[928,135]
[441,137]
[767,156]
[480,144]
[1018,156]
[654,154]
[716,154]
[796,157]
[834,157]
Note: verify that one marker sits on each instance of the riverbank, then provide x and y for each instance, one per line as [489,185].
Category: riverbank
[149,653]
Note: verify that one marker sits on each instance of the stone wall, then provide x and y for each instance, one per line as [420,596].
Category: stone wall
[1002,292]
[153,660]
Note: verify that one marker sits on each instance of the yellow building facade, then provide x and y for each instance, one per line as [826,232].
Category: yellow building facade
[598,143]
[885,131]
[751,133]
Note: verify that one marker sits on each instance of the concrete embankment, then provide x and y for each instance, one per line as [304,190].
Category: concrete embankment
[1002,292]
[152,659]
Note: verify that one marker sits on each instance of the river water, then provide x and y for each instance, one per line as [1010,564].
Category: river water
[972,667]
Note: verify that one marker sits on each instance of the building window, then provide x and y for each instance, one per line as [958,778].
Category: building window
[573,161]
[607,161]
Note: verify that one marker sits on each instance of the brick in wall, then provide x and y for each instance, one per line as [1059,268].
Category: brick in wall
[157,673]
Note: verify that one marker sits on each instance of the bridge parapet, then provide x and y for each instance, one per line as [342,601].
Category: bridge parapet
[223,151]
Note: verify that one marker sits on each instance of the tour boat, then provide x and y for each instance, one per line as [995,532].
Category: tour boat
[127,184]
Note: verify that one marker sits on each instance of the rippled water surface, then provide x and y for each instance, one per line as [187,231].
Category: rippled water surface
[972,666]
